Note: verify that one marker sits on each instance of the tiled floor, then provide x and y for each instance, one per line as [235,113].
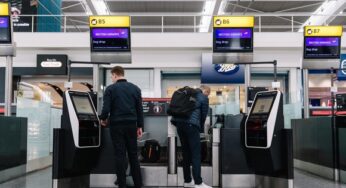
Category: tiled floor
[42,179]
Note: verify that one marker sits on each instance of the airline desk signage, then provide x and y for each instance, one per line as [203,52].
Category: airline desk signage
[342,73]
[322,42]
[233,34]
[5,24]
[110,33]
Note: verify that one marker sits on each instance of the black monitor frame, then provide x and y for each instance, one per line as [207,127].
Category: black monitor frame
[305,57]
[79,94]
[9,29]
[110,50]
[232,51]
[259,95]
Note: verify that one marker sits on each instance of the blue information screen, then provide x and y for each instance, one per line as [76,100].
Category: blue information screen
[110,39]
[322,47]
[233,40]
[5,29]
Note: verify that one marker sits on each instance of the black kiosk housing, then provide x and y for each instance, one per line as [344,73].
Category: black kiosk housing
[77,142]
[263,132]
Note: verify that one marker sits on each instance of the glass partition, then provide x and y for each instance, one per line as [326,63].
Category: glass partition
[38,114]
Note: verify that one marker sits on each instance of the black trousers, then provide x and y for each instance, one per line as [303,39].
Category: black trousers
[124,138]
[191,145]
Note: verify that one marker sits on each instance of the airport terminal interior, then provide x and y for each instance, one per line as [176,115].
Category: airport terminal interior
[276,70]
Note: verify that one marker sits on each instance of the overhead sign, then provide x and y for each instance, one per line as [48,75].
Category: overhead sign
[110,33]
[4,9]
[234,21]
[109,21]
[342,73]
[52,64]
[323,31]
[221,73]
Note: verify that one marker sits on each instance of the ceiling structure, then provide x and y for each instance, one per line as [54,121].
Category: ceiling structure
[195,15]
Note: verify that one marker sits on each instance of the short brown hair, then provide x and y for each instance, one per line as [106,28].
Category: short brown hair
[118,70]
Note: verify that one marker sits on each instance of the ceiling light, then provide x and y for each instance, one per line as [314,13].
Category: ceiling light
[207,10]
[101,7]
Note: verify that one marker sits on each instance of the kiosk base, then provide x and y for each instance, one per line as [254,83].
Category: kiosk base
[251,180]
[75,182]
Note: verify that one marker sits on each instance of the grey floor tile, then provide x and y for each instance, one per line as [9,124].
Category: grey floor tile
[42,179]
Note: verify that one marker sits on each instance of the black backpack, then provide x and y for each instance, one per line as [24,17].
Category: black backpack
[183,102]
[151,151]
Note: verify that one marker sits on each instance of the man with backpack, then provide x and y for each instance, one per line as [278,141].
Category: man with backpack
[189,108]
[122,107]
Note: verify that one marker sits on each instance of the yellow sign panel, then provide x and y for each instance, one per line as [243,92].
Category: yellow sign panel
[109,21]
[323,31]
[234,21]
[4,9]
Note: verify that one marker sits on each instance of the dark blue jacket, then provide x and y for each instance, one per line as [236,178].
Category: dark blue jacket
[122,103]
[199,115]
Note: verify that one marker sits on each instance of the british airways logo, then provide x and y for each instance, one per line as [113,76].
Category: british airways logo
[226,68]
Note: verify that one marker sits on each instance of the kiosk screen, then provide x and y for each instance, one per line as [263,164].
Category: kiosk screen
[83,105]
[263,105]
[110,39]
[5,29]
[233,40]
[322,48]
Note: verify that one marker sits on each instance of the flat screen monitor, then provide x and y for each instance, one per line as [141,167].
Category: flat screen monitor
[5,29]
[322,47]
[341,102]
[233,40]
[252,91]
[263,105]
[83,104]
[110,39]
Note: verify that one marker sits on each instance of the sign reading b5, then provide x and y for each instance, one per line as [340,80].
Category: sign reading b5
[109,21]
[234,21]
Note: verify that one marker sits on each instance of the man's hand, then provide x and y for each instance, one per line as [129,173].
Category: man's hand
[104,123]
[139,132]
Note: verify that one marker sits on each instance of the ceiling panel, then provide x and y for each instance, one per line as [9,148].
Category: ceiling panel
[340,20]
[271,6]
[156,6]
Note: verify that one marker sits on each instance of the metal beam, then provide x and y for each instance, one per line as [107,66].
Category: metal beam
[70,6]
[300,7]
[331,8]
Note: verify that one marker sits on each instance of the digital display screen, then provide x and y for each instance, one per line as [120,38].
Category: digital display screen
[322,47]
[263,105]
[5,29]
[110,39]
[233,40]
[83,105]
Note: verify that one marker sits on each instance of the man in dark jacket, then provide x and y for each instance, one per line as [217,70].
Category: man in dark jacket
[122,107]
[189,133]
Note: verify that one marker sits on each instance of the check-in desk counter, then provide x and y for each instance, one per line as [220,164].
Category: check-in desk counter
[13,150]
[313,145]
[156,127]
[341,132]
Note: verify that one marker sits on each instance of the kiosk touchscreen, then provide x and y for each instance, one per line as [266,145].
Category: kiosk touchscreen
[260,123]
[83,118]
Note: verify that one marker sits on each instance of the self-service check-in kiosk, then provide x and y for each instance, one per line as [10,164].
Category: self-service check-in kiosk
[77,142]
[263,128]
[258,152]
